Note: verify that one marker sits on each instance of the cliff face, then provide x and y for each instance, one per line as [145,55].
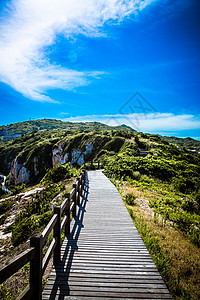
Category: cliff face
[28,157]
[18,173]
[58,157]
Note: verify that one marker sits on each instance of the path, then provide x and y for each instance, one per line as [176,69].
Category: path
[104,257]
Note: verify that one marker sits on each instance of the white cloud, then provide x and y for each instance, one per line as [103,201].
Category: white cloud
[152,123]
[31,25]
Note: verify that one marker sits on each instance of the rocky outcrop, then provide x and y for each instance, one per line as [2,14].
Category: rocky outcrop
[58,157]
[78,156]
[3,184]
[35,166]
[18,173]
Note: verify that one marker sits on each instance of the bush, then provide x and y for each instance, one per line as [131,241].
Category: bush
[16,189]
[188,205]
[184,185]
[5,206]
[3,218]
[59,173]
[23,228]
[130,199]
[136,175]
[197,197]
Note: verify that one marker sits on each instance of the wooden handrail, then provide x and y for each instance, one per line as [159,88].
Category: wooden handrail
[48,228]
[17,263]
[48,254]
[34,255]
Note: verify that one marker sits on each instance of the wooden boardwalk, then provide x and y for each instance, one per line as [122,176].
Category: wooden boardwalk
[104,257]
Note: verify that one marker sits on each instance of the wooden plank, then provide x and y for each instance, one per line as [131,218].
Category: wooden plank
[107,276]
[112,294]
[108,289]
[64,297]
[116,285]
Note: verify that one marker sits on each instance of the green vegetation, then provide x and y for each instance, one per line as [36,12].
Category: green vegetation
[34,150]
[185,142]
[5,206]
[173,173]
[130,199]
[177,259]
[36,213]
[141,166]
[5,293]
[3,218]
[59,173]
[14,130]
[161,192]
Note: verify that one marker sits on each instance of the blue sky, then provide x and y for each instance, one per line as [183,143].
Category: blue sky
[132,62]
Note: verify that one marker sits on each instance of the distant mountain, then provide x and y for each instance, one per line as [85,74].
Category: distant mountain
[14,130]
[185,142]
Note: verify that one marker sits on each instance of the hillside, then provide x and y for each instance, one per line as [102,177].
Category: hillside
[14,130]
[27,157]
[158,182]
[185,142]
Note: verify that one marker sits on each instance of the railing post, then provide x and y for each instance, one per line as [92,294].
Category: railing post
[81,183]
[36,268]
[84,178]
[78,190]
[67,227]
[57,234]
[75,201]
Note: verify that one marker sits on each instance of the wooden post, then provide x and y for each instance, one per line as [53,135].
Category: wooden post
[82,183]
[75,201]
[67,227]
[84,178]
[78,190]
[57,234]
[36,268]
[91,164]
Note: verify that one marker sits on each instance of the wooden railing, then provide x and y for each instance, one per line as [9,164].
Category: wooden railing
[34,255]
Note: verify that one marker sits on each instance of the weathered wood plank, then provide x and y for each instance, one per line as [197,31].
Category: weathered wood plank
[117,285]
[113,295]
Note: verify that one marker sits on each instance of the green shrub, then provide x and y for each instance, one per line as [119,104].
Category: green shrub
[59,173]
[136,175]
[16,189]
[188,205]
[23,228]
[197,197]
[3,218]
[5,293]
[129,199]
[5,206]
[184,185]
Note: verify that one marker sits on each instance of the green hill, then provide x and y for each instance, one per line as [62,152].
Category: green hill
[158,182]
[14,130]
[185,142]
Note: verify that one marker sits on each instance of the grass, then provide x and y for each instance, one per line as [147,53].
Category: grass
[176,257]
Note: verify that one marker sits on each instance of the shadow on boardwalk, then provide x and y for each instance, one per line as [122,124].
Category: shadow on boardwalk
[63,269]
